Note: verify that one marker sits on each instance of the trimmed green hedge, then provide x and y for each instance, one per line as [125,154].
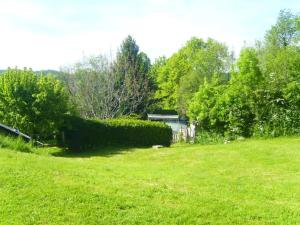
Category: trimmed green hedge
[80,134]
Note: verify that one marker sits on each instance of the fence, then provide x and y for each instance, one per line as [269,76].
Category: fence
[186,134]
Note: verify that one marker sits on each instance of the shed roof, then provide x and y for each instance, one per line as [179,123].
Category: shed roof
[14,131]
[162,117]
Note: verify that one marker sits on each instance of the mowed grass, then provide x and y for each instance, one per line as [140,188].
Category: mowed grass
[250,182]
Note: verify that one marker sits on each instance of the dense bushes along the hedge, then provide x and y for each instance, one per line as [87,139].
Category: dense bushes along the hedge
[79,134]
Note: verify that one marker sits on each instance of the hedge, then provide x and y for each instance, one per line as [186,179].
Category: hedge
[80,134]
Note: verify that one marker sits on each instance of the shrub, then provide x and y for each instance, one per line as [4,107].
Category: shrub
[80,134]
[13,143]
[205,138]
[33,104]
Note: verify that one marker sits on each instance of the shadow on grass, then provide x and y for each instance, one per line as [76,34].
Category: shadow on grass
[101,151]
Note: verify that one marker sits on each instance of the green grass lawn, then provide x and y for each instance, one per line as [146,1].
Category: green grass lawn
[251,182]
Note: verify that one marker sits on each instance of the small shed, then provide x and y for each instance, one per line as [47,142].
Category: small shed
[174,121]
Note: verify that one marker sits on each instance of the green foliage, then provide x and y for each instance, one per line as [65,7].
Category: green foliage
[262,97]
[16,144]
[103,88]
[132,70]
[156,101]
[256,96]
[204,108]
[156,69]
[81,135]
[286,31]
[249,73]
[183,73]
[206,138]
[92,88]
[33,104]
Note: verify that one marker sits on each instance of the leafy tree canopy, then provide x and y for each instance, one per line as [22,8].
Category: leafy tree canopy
[33,104]
[184,72]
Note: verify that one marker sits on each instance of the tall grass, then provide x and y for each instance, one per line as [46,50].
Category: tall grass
[207,138]
[16,144]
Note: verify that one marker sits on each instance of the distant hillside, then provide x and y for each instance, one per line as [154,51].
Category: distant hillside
[44,72]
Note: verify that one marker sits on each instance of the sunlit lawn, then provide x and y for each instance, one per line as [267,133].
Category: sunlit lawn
[251,182]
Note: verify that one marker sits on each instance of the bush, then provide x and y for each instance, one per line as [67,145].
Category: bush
[13,143]
[79,134]
[34,104]
[205,138]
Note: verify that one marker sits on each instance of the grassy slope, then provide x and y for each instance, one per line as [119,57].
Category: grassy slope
[252,182]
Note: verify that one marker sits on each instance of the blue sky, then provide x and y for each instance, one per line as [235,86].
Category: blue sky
[50,34]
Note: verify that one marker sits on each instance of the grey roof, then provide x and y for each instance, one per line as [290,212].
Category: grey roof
[14,131]
[162,117]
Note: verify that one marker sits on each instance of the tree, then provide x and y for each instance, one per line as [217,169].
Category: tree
[249,72]
[186,70]
[156,68]
[102,88]
[286,31]
[276,53]
[211,60]
[34,104]
[131,68]
[204,108]
[262,96]
[94,88]
[228,107]
[154,102]
[279,57]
